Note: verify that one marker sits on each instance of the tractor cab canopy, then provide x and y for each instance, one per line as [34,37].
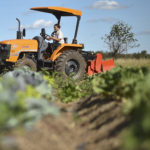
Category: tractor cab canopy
[58,12]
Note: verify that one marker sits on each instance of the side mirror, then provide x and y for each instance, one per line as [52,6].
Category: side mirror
[24,32]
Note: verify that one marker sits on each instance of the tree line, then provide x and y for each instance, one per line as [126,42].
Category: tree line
[142,55]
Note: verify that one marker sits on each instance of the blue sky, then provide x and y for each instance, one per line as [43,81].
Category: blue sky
[97,20]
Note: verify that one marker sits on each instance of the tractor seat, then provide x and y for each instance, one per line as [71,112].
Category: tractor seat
[42,46]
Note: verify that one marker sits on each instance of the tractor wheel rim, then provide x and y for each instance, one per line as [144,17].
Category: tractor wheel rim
[71,67]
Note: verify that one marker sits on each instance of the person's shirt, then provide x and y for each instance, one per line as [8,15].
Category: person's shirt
[58,35]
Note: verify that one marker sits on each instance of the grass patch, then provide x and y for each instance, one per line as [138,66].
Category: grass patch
[133,62]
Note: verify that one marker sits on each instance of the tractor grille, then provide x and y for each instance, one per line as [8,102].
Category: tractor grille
[4,51]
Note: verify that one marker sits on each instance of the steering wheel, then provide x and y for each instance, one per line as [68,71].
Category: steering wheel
[43,34]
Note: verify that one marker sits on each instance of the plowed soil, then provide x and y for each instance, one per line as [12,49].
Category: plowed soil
[91,124]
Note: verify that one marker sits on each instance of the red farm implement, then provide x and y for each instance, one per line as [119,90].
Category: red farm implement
[98,65]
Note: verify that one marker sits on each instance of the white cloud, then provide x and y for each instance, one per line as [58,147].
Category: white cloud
[28,13]
[36,25]
[146,32]
[39,24]
[106,5]
[107,20]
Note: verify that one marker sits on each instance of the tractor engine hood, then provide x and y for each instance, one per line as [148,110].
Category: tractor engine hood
[21,43]
[11,49]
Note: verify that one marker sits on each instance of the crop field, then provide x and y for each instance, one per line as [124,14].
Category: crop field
[108,111]
[133,62]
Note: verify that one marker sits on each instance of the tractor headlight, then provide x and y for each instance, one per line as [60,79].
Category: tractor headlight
[4,51]
[2,47]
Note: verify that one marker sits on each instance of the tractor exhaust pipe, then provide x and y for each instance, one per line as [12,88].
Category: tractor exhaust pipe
[19,33]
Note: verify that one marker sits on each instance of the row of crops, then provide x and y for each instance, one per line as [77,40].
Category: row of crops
[132,86]
[26,97]
[129,85]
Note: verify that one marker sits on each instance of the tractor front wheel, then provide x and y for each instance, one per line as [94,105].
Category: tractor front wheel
[26,62]
[71,63]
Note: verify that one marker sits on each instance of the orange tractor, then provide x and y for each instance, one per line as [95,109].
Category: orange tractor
[36,53]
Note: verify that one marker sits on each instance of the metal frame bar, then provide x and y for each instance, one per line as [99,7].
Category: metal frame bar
[74,41]
[76,30]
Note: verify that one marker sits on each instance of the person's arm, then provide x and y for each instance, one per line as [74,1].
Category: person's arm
[51,37]
[48,38]
[55,39]
[59,37]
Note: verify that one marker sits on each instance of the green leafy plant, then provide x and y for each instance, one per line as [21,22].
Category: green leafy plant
[24,99]
[132,85]
[69,90]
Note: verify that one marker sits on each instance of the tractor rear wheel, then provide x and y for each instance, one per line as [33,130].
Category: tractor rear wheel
[26,62]
[70,63]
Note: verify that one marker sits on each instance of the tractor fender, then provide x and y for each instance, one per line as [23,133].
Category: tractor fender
[64,47]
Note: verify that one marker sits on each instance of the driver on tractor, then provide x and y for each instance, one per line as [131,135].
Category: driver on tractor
[56,36]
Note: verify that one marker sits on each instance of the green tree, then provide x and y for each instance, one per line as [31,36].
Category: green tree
[144,52]
[120,38]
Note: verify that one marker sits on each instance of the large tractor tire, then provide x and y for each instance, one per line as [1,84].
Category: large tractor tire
[26,62]
[70,63]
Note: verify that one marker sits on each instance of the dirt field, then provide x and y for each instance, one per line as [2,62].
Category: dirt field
[91,124]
